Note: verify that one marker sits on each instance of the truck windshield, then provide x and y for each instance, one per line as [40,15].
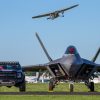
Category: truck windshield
[10,67]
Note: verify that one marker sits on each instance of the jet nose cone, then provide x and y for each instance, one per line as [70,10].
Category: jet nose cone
[72,63]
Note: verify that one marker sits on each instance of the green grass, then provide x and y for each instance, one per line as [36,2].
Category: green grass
[44,87]
[32,97]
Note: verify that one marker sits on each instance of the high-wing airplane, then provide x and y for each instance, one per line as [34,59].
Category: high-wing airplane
[70,67]
[55,14]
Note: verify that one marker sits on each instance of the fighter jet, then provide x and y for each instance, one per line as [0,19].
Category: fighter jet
[55,14]
[70,68]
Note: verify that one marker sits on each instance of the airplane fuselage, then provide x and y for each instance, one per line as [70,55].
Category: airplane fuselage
[71,67]
[53,15]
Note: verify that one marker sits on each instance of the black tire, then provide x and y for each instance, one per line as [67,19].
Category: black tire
[92,86]
[51,86]
[22,87]
[71,87]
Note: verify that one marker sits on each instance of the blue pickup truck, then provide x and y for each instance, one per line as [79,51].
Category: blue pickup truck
[11,74]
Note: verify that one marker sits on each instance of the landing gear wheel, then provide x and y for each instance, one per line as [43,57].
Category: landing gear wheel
[71,87]
[22,87]
[91,86]
[51,85]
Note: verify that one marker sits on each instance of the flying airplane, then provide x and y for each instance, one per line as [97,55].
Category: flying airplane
[55,14]
[70,67]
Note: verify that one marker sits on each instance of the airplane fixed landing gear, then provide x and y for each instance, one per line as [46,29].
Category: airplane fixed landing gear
[90,85]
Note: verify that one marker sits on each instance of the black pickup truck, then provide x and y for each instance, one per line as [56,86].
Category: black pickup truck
[11,74]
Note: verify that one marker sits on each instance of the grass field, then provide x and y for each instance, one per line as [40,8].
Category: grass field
[32,97]
[44,87]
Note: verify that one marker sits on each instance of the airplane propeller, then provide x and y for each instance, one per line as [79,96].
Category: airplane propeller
[96,55]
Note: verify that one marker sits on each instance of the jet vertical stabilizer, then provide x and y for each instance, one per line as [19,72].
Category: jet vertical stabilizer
[96,55]
[43,47]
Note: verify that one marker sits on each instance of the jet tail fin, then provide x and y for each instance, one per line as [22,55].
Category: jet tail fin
[96,55]
[43,47]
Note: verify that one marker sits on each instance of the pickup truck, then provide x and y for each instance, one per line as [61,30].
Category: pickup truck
[11,74]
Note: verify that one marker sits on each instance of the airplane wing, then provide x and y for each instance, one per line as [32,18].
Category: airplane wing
[59,11]
[92,62]
[91,65]
[41,67]
[34,67]
[49,67]
[43,15]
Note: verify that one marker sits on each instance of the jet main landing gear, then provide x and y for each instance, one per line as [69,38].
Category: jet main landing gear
[52,84]
[90,85]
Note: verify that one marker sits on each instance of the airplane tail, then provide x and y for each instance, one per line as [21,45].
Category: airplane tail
[43,47]
[96,55]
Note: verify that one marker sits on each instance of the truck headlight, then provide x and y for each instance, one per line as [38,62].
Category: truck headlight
[19,75]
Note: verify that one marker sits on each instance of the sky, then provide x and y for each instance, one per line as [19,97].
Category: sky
[79,27]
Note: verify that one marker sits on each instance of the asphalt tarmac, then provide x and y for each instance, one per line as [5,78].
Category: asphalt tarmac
[49,93]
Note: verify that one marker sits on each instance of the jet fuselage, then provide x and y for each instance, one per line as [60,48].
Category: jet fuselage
[71,67]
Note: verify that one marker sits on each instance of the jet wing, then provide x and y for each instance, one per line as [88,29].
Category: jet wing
[34,67]
[38,67]
[41,67]
[89,63]
[59,11]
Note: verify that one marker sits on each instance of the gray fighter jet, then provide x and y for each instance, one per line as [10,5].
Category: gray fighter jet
[70,67]
[55,14]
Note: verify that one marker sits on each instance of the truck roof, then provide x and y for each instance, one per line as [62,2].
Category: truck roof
[9,63]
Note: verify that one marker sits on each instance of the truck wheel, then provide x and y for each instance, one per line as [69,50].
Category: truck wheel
[22,87]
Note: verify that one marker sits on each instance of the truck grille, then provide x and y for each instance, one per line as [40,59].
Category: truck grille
[6,75]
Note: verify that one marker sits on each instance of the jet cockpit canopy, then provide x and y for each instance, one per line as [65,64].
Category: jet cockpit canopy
[71,50]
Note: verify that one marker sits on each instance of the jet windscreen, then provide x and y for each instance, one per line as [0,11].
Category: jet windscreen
[71,50]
